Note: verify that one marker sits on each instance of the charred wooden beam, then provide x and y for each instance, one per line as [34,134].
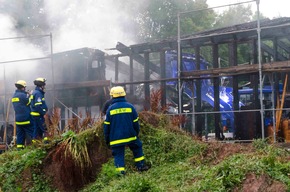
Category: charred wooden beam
[84,84]
[124,49]
[283,45]
[273,52]
[240,69]
[123,67]
[146,86]
[163,75]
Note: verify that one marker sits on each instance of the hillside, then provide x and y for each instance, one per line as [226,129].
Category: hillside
[82,162]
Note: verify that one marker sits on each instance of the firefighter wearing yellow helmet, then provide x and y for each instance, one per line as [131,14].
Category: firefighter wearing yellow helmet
[23,120]
[121,129]
[107,103]
[39,109]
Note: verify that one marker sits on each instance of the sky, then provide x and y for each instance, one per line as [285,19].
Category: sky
[269,8]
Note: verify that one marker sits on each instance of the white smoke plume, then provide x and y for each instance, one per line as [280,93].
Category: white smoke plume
[74,24]
[95,24]
[13,48]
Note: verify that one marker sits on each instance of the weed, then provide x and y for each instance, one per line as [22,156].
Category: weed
[260,144]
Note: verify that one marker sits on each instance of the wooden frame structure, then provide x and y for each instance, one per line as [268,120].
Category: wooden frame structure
[275,62]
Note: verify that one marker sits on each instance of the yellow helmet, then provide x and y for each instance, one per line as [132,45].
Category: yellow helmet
[20,84]
[39,81]
[118,92]
[112,91]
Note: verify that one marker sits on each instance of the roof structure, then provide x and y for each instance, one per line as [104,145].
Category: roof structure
[270,29]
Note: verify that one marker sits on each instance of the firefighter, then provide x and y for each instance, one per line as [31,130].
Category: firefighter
[23,120]
[39,109]
[108,102]
[121,129]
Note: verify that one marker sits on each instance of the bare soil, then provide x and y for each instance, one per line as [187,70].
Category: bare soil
[66,175]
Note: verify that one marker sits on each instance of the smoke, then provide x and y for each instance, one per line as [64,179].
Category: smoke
[95,24]
[74,24]
[12,49]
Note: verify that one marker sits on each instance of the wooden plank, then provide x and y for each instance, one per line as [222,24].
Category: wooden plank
[237,70]
[98,83]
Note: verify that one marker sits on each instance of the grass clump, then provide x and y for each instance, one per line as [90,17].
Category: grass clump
[17,165]
[76,147]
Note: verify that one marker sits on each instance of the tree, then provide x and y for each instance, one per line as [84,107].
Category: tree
[159,19]
[234,15]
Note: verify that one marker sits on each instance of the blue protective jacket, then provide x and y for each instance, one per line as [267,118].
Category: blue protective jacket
[21,105]
[38,105]
[121,125]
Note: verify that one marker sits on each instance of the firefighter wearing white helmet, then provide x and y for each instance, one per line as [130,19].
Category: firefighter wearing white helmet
[121,129]
[23,120]
[39,109]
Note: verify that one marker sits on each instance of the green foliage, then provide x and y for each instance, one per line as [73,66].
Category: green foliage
[170,147]
[260,144]
[41,183]
[234,15]
[158,20]
[138,183]
[68,134]
[178,165]
[14,163]
[108,173]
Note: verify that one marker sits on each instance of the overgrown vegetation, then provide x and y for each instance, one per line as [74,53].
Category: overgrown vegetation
[179,163]
[182,164]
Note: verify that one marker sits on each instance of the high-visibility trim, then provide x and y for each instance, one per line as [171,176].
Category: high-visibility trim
[120,110]
[120,168]
[45,139]
[135,120]
[106,122]
[22,123]
[123,140]
[38,103]
[139,159]
[20,146]
[30,99]
[15,99]
[34,114]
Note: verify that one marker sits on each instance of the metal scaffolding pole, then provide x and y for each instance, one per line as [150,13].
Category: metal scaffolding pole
[52,71]
[260,69]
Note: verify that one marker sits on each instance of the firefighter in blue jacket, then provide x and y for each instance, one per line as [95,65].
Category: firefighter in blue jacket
[23,120]
[39,109]
[121,129]
[107,103]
